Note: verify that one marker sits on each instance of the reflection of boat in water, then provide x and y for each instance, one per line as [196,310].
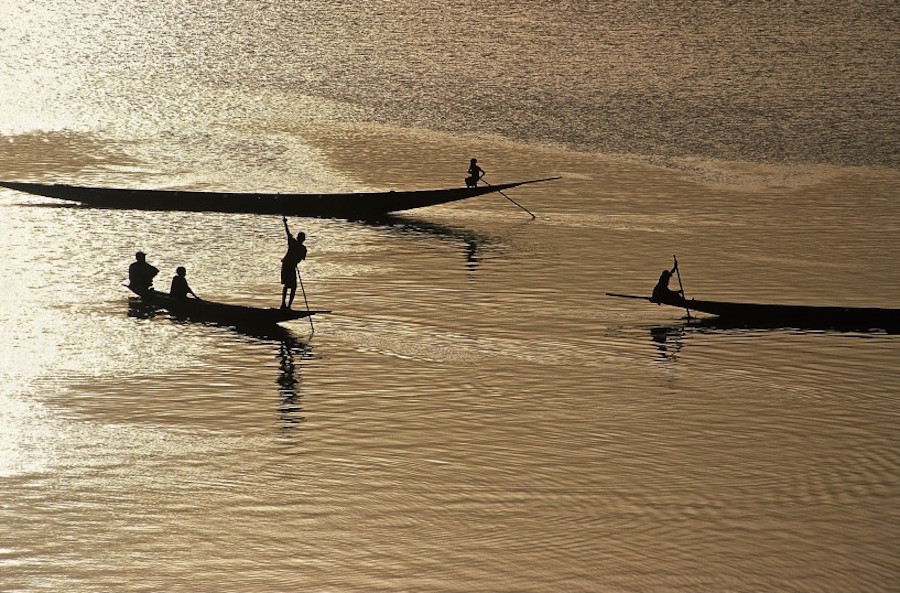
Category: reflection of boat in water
[203,310]
[290,406]
[291,352]
[668,341]
[355,205]
[404,226]
[761,315]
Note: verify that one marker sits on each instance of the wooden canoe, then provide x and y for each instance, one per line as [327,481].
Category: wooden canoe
[203,310]
[800,316]
[354,206]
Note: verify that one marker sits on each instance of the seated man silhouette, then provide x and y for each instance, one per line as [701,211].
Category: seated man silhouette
[662,293]
[180,288]
[475,174]
[141,274]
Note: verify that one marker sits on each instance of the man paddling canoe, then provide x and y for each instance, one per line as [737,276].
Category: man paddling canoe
[296,253]
[661,292]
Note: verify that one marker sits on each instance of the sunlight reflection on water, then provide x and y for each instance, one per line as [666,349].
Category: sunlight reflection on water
[506,388]
[476,413]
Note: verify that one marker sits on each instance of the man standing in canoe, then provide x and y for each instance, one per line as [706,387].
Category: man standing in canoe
[475,173]
[296,253]
[141,274]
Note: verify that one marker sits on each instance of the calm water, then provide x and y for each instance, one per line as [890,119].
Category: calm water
[475,414]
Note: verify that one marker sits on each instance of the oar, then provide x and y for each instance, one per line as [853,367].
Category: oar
[510,199]
[300,278]
[681,286]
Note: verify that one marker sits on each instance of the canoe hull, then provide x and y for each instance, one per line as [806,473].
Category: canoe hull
[805,316]
[737,314]
[359,205]
[203,310]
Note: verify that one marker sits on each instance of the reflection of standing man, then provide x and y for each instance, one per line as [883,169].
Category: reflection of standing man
[296,253]
[141,274]
[475,173]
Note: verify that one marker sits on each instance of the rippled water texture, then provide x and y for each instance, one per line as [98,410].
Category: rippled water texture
[475,414]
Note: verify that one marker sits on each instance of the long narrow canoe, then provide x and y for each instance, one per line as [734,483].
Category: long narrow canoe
[204,310]
[358,206]
[800,316]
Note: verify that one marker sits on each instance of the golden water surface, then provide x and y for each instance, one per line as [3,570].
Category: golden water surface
[475,414]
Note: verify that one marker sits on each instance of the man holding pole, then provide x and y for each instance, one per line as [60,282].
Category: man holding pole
[661,292]
[475,173]
[296,253]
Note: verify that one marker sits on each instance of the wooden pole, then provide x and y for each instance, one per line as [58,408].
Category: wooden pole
[510,199]
[680,285]
[300,278]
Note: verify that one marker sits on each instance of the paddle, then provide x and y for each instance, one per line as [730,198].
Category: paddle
[510,199]
[681,286]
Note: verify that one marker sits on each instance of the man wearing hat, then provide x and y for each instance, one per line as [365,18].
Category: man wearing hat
[140,273]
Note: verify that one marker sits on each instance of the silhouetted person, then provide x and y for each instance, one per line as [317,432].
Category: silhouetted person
[141,274]
[296,253]
[661,292]
[180,288]
[475,173]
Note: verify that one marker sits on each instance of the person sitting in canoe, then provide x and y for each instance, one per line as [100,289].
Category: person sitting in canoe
[141,274]
[296,253]
[475,173]
[180,288]
[662,293]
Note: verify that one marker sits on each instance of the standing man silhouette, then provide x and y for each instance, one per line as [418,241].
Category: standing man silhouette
[296,253]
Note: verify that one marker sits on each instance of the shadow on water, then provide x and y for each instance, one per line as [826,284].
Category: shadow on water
[290,351]
[474,243]
[670,339]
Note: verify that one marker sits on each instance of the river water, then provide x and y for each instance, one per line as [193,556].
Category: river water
[475,414]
